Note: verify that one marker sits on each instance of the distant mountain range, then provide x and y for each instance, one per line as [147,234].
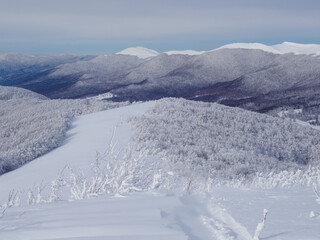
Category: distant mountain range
[283,48]
[249,75]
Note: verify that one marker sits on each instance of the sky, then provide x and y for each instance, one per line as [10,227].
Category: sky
[51,27]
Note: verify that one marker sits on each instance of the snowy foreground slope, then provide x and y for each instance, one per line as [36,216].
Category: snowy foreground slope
[139,217]
[221,213]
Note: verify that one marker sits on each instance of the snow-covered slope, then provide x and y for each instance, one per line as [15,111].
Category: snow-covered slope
[31,125]
[283,48]
[290,47]
[222,213]
[185,52]
[229,214]
[88,135]
[288,211]
[258,46]
[216,137]
[139,52]
[134,217]
[14,93]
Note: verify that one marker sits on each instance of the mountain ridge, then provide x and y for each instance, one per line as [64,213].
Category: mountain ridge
[235,75]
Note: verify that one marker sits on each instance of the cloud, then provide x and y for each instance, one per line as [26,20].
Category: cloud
[147,18]
[44,20]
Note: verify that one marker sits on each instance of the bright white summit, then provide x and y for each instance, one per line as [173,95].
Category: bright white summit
[283,48]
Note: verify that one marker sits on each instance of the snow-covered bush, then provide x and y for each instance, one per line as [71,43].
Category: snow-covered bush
[224,143]
[315,189]
[31,127]
[13,201]
[114,175]
[314,214]
[111,173]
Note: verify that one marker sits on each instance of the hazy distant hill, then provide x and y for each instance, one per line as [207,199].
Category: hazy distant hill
[18,69]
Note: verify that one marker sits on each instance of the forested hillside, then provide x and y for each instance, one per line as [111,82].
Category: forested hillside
[220,142]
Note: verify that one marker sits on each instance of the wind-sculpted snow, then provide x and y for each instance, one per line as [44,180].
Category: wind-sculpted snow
[30,127]
[224,143]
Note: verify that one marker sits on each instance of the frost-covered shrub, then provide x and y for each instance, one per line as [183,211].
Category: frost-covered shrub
[31,127]
[111,173]
[223,142]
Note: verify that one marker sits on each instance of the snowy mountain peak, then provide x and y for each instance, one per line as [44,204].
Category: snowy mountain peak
[139,52]
[298,44]
[185,52]
[298,48]
[283,48]
[258,46]
[291,43]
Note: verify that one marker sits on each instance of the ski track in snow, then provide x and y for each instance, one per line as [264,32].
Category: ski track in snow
[138,216]
[223,226]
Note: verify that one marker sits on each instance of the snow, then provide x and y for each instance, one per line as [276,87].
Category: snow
[139,52]
[205,141]
[258,46]
[225,213]
[88,135]
[139,216]
[283,48]
[286,112]
[9,93]
[185,52]
[288,211]
[103,96]
[306,124]
[296,48]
